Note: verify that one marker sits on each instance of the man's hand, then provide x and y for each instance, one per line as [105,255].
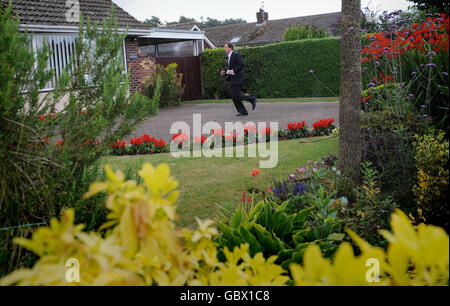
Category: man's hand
[230,72]
[222,72]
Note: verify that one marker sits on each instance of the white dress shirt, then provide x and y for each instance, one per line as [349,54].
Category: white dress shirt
[229,57]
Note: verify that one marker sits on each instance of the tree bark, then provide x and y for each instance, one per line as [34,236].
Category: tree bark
[350,96]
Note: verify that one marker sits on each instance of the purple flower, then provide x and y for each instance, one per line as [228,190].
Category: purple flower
[340,37]
[413,73]
[298,189]
[429,15]
[373,38]
[425,116]
[445,73]
[364,69]
[409,97]
[377,63]
[351,28]
[371,84]
[311,71]
[432,65]
[422,106]
[431,54]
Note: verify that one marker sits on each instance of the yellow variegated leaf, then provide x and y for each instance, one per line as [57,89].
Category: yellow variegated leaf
[128,232]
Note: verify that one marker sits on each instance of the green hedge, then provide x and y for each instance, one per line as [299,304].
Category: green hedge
[279,70]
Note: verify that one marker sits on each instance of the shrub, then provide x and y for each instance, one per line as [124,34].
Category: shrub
[142,247]
[290,78]
[268,228]
[172,88]
[408,261]
[387,143]
[303,32]
[392,156]
[431,190]
[417,59]
[371,209]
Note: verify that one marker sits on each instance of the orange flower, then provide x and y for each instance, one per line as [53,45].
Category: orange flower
[255,172]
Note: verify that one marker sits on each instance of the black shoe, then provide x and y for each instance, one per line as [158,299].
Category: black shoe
[253,103]
[242,114]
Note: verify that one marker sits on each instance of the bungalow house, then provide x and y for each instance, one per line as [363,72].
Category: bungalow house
[56,23]
[265,31]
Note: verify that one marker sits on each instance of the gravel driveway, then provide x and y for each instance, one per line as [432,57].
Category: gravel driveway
[159,126]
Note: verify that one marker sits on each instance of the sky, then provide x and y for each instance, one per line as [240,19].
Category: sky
[171,10]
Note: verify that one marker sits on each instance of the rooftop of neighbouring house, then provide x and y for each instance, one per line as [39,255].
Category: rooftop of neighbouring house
[266,31]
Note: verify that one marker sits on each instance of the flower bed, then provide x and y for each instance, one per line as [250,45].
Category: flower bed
[150,145]
[139,145]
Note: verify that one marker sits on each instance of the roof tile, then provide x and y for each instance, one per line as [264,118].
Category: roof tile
[53,12]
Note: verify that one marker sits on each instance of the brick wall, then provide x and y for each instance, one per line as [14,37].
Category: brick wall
[141,66]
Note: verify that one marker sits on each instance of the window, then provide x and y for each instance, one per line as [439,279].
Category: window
[235,39]
[184,48]
[63,50]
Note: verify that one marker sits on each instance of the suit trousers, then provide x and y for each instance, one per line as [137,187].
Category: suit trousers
[238,97]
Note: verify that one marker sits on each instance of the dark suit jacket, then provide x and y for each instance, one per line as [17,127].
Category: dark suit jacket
[237,64]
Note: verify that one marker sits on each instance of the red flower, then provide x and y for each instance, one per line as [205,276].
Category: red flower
[432,34]
[200,140]
[160,143]
[118,144]
[218,132]
[266,131]
[255,172]
[136,141]
[180,137]
[243,196]
[323,123]
[250,128]
[292,126]
[60,143]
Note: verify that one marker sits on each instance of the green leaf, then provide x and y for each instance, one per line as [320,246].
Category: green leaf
[237,219]
[255,246]
[302,216]
[254,214]
[269,241]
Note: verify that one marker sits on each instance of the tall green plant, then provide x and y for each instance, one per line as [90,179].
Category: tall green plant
[90,108]
[172,87]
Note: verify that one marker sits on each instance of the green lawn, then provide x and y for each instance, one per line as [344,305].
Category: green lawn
[268,100]
[206,181]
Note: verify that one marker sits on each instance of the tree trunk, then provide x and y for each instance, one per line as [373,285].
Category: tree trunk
[350,99]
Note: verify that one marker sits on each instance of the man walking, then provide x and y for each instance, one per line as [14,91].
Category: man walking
[235,74]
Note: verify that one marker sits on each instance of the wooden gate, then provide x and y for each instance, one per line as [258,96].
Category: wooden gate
[190,68]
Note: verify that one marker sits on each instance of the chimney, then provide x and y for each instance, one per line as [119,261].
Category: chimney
[261,16]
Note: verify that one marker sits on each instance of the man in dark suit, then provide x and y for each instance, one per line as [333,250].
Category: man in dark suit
[235,74]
